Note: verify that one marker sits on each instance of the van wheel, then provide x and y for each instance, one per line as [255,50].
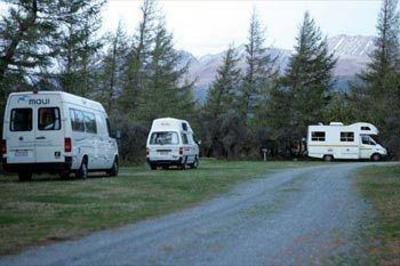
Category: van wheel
[25,176]
[153,166]
[114,169]
[376,157]
[195,164]
[165,167]
[328,158]
[82,172]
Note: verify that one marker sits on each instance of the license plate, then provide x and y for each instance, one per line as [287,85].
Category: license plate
[163,153]
[21,153]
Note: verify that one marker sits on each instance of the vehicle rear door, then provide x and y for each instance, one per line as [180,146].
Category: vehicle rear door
[49,130]
[20,133]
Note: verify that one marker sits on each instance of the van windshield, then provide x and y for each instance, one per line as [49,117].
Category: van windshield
[164,138]
[21,119]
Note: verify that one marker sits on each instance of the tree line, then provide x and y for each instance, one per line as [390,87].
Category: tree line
[140,76]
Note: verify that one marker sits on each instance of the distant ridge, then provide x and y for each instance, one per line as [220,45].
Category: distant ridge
[352,53]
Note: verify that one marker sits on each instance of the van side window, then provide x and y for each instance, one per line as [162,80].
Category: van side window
[77,121]
[365,128]
[90,123]
[346,136]
[49,119]
[185,139]
[318,136]
[108,127]
[21,119]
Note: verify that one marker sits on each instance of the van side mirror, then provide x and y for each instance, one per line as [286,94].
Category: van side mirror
[198,142]
[116,135]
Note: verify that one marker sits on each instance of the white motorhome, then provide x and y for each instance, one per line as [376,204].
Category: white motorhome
[56,132]
[338,141]
[171,143]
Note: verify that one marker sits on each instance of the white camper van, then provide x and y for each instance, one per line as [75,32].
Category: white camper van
[56,132]
[170,142]
[338,141]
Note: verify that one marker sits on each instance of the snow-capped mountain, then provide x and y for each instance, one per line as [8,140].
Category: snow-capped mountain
[352,53]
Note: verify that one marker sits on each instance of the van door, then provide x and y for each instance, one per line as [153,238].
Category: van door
[366,147]
[49,134]
[21,136]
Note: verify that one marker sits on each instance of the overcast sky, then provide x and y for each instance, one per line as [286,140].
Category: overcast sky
[203,27]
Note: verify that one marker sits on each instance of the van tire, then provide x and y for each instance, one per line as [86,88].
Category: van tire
[153,166]
[328,158]
[114,169]
[195,164]
[25,176]
[82,172]
[376,157]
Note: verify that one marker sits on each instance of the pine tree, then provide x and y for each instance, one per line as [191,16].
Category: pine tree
[377,94]
[308,79]
[27,29]
[78,44]
[111,73]
[260,67]
[139,56]
[220,102]
[164,91]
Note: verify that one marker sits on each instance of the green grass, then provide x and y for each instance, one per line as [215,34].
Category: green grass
[49,209]
[381,187]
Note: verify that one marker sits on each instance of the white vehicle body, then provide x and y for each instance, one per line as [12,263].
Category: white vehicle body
[338,141]
[53,131]
[171,142]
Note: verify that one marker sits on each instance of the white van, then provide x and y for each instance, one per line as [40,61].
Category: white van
[171,143]
[56,132]
[338,141]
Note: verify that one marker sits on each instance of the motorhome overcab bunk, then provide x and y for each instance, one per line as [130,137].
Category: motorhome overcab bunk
[338,141]
[56,132]
[171,143]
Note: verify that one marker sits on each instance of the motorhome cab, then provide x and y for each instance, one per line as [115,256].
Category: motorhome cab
[56,132]
[170,142]
[338,141]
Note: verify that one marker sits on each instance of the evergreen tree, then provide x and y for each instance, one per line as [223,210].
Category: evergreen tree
[27,28]
[260,67]
[220,103]
[308,79]
[164,91]
[139,56]
[78,44]
[376,95]
[112,71]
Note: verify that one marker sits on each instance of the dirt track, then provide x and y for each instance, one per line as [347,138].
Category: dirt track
[298,216]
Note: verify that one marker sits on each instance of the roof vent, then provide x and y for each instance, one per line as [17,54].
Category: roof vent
[336,124]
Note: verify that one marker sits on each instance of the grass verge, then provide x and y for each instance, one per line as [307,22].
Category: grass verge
[381,187]
[49,209]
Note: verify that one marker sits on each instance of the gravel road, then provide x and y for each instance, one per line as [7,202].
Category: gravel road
[291,217]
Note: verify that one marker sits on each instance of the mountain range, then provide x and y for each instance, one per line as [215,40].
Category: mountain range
[352,53]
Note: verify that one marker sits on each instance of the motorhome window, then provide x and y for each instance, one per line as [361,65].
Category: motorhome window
[164,138]
[365,128]
[77,120]
[21,119]
[346,136]
[49,119]
[90,123]
[318,136]
[185,139]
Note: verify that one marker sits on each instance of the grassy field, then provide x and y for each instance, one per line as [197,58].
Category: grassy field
[49,209]
[381,187]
